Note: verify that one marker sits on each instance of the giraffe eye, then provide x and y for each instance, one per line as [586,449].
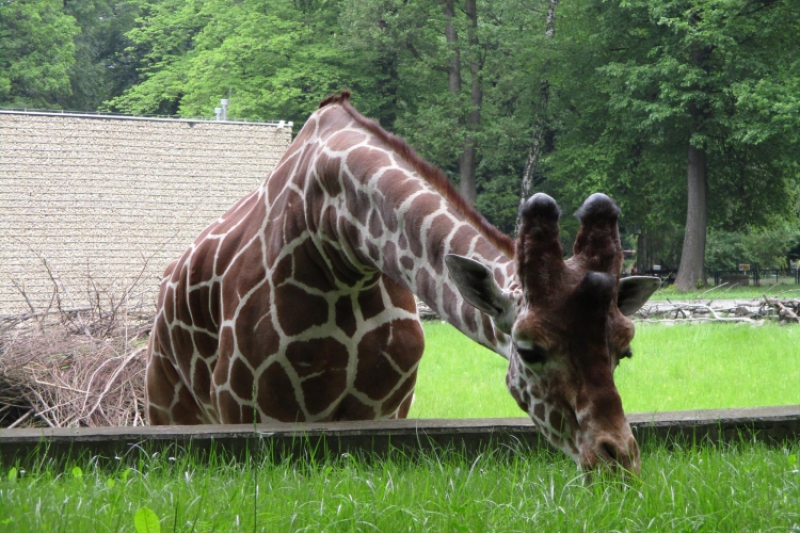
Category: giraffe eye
[536,355]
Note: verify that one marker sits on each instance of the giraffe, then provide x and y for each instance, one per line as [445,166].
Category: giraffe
[298,303]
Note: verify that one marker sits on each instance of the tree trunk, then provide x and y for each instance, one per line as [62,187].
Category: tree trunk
[468,159]
[387,66]
[641,253]
[454,65]
[536,144]
[540,123]
[454,77]
[550,22]
[691,270]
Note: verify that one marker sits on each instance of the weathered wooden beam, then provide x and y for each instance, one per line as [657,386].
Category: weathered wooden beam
[378,438]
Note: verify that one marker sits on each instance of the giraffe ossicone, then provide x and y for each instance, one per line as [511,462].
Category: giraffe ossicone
[298,303]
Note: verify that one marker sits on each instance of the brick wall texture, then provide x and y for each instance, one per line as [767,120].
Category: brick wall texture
[101,205]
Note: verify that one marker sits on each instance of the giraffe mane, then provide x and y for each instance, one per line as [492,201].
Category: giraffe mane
[430,173]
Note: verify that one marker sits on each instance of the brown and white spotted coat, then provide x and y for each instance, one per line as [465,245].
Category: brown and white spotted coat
[298,303]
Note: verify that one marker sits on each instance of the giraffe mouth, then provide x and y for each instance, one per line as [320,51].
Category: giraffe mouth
[594,450]
[612,453]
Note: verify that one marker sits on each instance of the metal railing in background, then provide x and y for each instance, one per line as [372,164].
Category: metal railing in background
[755,276]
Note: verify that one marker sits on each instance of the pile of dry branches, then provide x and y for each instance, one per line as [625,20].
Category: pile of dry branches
[75,366]
[785,311]
[425,312]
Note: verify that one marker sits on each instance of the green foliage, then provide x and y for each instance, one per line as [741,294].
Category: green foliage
[630,84]
[146,521]
[762,248]
[499,201]
[270,58]
[36,52]
[396,50]
[632,75]
[103,66]
[71,55]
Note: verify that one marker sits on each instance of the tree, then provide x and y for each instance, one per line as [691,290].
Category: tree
[271,58]
[397,52]
[522,75]
[36,53]
[103,67]
[469,121]
[700,55]
[540,124]
[659,89]
[761,248]
[437,90]
[620,99]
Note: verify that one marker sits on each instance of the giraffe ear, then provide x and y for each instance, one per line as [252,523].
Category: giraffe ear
[477,286]
[634,291]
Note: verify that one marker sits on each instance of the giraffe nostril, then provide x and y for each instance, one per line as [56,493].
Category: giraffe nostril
[615,455]
[609,451]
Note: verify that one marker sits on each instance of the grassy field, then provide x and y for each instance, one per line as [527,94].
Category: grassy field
[673,368]
[734,488]
[741,488]
[786,289]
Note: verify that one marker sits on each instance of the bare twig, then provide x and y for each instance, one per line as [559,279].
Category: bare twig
[721,285]
[21,419]
[787,311]
[113,378]
[27,300]
[18,319]
[668,322]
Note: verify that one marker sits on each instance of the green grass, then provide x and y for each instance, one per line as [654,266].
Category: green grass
[786,288]
[736,488]
[679,367]
[458,378]
[711,366]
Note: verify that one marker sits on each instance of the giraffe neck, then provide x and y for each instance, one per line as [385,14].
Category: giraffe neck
[383,215]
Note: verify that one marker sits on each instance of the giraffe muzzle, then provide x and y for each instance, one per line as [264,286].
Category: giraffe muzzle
[616,455]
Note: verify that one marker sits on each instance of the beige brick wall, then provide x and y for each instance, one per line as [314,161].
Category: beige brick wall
[98,197]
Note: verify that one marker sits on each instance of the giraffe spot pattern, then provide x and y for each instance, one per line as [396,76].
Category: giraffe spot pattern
[309,269]
[301,310]
[345,315]
[241,379]
[277,395]
[297,303]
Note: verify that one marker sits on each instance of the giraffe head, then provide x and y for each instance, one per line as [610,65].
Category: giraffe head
[568,327]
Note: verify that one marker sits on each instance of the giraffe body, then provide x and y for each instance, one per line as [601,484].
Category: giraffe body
[302,293]
[298,303]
